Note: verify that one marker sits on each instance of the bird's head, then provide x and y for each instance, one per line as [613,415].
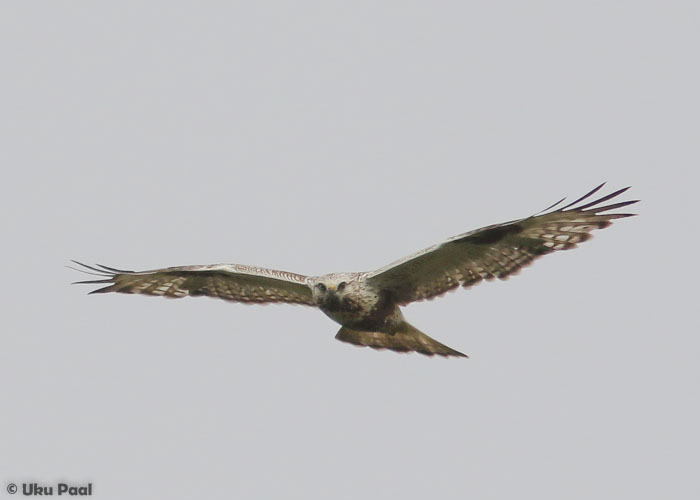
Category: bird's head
[330,290]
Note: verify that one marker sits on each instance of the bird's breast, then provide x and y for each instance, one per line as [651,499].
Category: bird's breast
[362,311]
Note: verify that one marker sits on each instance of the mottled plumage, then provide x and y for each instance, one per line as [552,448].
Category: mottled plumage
[367,304]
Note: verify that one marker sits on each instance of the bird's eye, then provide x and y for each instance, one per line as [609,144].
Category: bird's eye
[341,286]
[321,287]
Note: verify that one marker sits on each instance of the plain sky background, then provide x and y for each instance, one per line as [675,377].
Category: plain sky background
[339,136]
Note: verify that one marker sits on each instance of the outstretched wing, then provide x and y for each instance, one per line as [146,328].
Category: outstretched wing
[495,251]
[226,281]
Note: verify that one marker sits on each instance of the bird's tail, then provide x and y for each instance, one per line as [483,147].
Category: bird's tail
[406,339]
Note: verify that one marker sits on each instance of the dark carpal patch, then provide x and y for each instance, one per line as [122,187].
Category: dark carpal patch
[491,236]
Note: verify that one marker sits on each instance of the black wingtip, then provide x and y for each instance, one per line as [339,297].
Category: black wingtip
[603,199]
[87,269]
[551,206]
[613,206]
[113,270]
[590,193]
[97,269]
[92,282]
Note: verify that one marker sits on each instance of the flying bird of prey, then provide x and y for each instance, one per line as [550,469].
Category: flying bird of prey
[366,304]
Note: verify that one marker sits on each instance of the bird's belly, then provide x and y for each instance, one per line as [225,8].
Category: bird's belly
[374,320]
[344,317]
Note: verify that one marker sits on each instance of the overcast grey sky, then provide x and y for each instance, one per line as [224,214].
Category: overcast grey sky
[339,136]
